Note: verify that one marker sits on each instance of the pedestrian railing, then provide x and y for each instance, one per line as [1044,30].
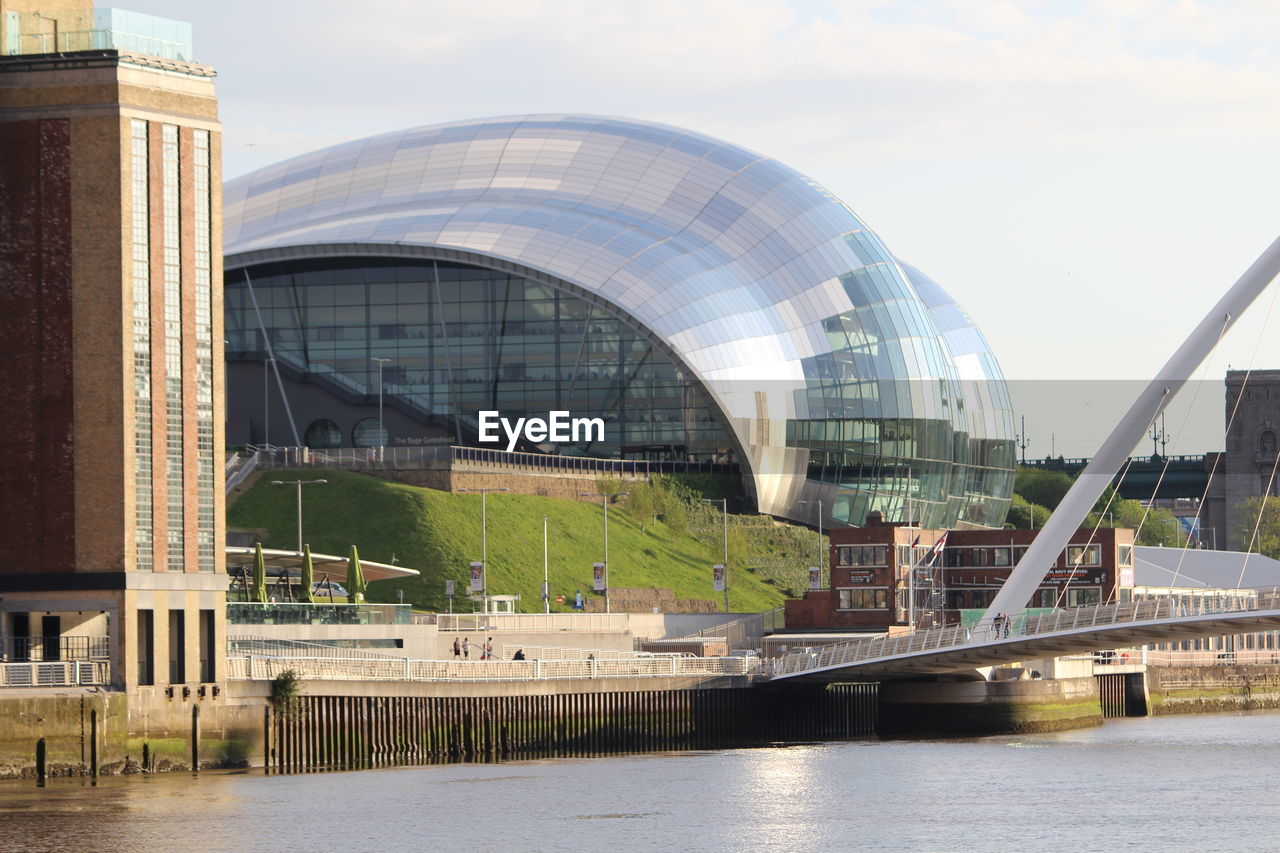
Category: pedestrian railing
[69,673]
[276,647]
[475,622]
[251,667]
[507,650]
[54,648]
[1021,627]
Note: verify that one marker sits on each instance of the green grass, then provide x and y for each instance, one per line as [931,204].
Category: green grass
[439,534]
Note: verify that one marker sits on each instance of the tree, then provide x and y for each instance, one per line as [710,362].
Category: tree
[1267,541]
[643,503]
[1024,515]
[1042,487]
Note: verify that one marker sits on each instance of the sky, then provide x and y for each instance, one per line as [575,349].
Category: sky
[1086,178]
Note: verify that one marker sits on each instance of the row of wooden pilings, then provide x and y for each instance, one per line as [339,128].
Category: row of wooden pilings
[321,733]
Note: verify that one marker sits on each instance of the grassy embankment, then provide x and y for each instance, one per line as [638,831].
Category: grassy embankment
[439,534]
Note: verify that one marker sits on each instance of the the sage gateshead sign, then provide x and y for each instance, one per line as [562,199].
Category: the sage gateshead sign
[705,302]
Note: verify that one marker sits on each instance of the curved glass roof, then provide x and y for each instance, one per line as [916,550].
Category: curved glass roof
[843,372]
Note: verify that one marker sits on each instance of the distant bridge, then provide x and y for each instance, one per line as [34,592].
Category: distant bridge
[954,649]
[1184,476]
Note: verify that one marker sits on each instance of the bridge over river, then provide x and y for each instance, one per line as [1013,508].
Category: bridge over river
[954,649]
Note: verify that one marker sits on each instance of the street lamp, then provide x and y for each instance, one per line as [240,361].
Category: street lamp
[724,507]
[484,540]
[821,562]
[546,588]
[604,502]
[299,484]
[382,430]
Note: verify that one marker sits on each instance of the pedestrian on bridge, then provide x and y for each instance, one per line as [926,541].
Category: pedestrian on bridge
[457,648]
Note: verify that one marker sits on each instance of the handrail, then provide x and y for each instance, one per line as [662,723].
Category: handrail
[1023,626]
[251,667]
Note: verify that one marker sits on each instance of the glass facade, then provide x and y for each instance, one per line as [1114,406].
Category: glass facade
[462,339]
[762,315]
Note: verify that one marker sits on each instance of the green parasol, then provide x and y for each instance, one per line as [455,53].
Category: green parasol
[355,577]
[308,576]
[259,590]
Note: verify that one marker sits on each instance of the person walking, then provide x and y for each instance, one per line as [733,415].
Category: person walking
[487,654]
[466,647]
[457,648]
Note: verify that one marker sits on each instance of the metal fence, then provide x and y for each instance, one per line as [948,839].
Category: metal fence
[257,613]
[442,456]
[55,673]
[250,667]
[475,622]
[276,647]
[1021,626]
[506,650]
[54,648]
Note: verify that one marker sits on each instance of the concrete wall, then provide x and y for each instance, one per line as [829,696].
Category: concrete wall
[1204,689]
[967,708]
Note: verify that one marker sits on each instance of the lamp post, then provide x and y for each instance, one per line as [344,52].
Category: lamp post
[382,430]
[546,589]
[604,502]
[299,484]
[724,508]
[821,562]
[484,540]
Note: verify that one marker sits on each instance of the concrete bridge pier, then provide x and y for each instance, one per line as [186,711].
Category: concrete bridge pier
[950,707]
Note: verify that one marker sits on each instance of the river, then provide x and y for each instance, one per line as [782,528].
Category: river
[1171,783]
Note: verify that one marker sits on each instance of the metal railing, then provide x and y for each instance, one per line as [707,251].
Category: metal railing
[67,673]
[54,648]
[256,613]
[239,468]
[506,650]
[276,647]
[533,622]
[1024,626]
[256,668]
[445,456]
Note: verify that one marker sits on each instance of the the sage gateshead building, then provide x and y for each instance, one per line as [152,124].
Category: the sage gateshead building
[709,303]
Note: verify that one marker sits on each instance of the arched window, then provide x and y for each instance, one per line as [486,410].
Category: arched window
[323,433]
[369,433]
[1267,442]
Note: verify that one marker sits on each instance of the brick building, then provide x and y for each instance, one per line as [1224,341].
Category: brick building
[111,316]
[872,589]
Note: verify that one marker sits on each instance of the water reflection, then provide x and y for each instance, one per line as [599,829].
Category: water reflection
[1187,783]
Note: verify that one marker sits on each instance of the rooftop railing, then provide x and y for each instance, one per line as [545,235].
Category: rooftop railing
[1022,627]
[477,622]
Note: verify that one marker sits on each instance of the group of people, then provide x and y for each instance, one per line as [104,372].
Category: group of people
[1000,622]
[462,650]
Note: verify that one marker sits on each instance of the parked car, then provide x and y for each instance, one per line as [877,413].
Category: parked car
[338,589]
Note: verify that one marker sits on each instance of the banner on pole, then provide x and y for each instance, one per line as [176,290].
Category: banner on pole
[598,569]
[546,592]
[815,577]
[477,577]
[717,576]
[449,587]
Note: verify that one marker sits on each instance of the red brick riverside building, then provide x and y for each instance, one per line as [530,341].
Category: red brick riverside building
[871,585]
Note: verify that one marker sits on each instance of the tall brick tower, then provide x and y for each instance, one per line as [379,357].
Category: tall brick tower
[111,493]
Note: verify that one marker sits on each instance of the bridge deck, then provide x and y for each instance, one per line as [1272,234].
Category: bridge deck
[943,651]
